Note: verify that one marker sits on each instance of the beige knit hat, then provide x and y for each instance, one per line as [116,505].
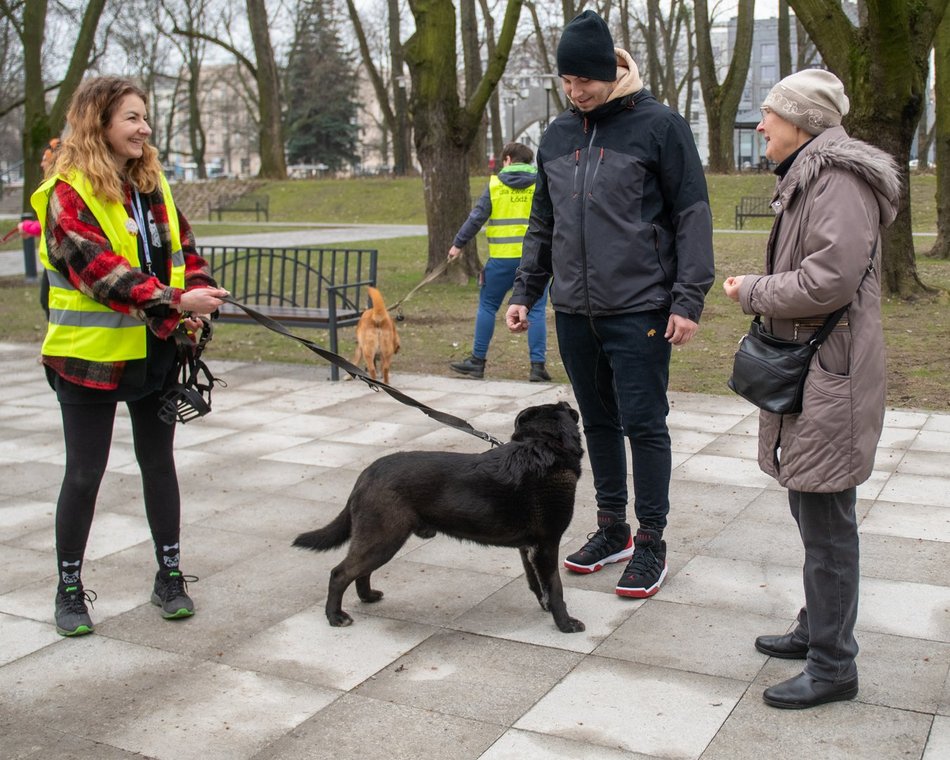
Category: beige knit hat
[812,99]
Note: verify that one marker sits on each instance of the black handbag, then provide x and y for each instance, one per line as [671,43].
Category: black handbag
[770,372]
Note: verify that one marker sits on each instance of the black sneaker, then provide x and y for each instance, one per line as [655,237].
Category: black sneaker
[170,594]
[471,366]
[72,615]
[646,568]
[539,373]
[609,543]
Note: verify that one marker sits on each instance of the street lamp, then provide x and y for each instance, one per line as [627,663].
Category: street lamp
[510,101]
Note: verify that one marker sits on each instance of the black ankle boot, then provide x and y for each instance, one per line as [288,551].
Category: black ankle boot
[471,366]
[538,373]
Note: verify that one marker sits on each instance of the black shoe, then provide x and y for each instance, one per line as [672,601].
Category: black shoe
[471,366]
[538,373]
[72,615]
[611,542]
[785,647]
[646,568]
[170,593]
[804,691]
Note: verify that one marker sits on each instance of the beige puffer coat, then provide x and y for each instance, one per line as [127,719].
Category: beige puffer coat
[829,207]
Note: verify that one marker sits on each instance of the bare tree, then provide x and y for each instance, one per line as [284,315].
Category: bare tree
[391,95]
[192,15]
[883,63]
[148,55]
[266,77]
[444,128]
[722,100]
[666,31]
[784,40]
[29,19]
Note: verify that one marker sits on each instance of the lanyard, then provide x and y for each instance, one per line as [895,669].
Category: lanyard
[143,231]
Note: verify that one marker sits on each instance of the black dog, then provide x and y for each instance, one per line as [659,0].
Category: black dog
[520,495]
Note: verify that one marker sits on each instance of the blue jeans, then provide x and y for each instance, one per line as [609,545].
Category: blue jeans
[499,277]
[619,367]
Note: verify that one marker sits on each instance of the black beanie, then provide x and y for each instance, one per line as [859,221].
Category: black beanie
[586,49]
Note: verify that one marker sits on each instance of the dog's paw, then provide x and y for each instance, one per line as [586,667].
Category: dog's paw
[371,596]
[571,625]
[339,619]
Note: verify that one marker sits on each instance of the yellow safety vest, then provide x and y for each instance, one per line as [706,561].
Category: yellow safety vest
[79,326]
[508,223]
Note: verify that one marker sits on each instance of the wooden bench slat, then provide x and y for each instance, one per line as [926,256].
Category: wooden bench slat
[751,206]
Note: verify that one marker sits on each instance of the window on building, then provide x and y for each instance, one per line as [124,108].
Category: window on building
[768,51]
[768,73]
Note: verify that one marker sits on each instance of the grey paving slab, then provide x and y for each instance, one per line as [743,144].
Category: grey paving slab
[457,660]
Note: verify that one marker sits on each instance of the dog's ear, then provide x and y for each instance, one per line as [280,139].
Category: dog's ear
[564,406]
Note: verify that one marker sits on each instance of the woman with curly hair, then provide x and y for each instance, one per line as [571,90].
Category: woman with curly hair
[125,282]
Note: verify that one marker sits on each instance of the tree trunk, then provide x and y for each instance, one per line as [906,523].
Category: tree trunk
[883,64]
[784,40]
[273,162]
[722,101]
[402,132]
[472,66]
[444,131]
[196,132]
[39,126]
[941,248]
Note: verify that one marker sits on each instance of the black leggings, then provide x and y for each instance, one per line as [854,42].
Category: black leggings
[88,432]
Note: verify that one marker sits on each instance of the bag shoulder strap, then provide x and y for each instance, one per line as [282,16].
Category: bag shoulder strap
[822,333]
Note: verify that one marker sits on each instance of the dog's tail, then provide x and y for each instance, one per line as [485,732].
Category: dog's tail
[379,306]
[328,537]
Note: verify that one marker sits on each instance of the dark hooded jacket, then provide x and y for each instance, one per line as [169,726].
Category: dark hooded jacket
[621,215]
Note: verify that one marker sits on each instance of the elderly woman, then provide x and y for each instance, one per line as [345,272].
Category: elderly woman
[125,279]
[832,198]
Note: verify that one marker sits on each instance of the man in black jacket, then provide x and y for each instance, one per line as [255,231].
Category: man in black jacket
[621,222]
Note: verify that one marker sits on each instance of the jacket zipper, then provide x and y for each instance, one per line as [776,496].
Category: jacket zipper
[590,147]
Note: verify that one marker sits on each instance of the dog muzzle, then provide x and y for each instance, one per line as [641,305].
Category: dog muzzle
[190,397]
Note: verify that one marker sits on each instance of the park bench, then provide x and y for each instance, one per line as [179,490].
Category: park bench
[300,287]
[233,204]
[751,206]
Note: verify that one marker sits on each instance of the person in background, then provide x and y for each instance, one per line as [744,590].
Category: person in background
[505,205]
[125,282]
[621,221]
[46,164]
[832,197]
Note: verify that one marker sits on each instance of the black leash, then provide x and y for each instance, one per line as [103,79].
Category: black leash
[359,374]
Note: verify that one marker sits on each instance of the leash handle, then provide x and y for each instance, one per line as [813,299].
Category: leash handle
[357,373]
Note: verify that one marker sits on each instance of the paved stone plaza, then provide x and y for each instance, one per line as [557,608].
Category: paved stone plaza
[458,660]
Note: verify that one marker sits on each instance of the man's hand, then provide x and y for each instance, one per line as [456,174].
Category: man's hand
[517,318]
[679,330]
[454,252]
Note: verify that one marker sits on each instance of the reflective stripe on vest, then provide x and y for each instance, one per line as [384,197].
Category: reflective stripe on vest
[506,228]
[80,326]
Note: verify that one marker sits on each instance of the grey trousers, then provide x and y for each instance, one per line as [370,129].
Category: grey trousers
[829,531]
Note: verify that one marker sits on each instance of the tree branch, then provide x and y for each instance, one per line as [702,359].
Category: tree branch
[242,59]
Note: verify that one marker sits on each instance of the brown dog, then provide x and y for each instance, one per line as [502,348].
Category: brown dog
[376,338]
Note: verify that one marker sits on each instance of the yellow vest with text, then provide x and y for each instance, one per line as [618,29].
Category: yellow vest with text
[79,326]
[508,223]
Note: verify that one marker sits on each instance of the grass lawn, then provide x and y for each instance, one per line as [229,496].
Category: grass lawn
[439,319]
